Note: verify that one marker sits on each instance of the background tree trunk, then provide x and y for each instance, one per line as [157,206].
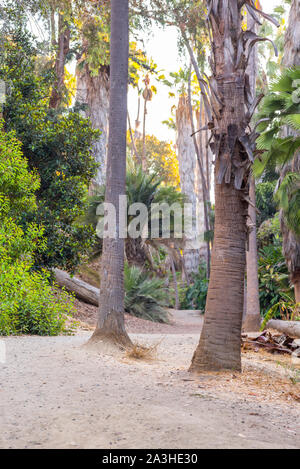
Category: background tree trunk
[291,328]
[64,35]
[206,157]
[82,290]
[94,92]
[110,325]
[187,169]
[291,243]
[252,320]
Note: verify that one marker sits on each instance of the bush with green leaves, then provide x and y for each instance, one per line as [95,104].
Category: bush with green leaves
[58,146]
[28,302]
[265,202]
[146,296]
[269,232]
[196,293]
[274,286]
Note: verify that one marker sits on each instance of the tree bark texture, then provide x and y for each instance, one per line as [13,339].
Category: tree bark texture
[291,328]
[82,290]
[231,110]
[252,320]
[111,325]
[94,92]
[64,35]
[187,170]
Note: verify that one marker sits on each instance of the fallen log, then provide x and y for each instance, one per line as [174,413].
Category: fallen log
[82,290]
[291,328]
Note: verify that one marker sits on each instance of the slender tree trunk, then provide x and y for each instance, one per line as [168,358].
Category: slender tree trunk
[252,320]
[144,161]
[202,187]
[187,168]
[110,325]
[291,243]
[94,92]
[134,149]
[63,49]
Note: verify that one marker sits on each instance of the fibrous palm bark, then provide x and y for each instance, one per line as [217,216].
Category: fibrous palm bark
[231,109]
[110,325]
[187,171]
[291,243]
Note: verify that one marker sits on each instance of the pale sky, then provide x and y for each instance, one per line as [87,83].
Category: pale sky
[162,47]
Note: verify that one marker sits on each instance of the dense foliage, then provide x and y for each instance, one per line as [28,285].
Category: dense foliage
[279,141]
[28,303]
[146,296]
[196,293]
[57,144]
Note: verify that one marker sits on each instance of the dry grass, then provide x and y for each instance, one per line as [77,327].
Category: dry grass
[141,352]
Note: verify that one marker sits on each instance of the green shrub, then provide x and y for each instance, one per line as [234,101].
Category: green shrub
[274,286]
[196,293]
[28,303]
[145,296]
[58,147]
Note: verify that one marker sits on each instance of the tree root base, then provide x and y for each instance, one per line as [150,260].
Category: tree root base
[252,323]
[201,363]
[109,343]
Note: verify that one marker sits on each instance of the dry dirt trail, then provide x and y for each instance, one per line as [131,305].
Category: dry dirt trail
[56,394]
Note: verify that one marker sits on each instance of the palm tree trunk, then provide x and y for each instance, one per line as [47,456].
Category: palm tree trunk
[220,341]
[110,325]
[291,243]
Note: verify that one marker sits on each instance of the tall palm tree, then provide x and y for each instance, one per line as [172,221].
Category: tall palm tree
[110,325]
[231,109]
[291,242]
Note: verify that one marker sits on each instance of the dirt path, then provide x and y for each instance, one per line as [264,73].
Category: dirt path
[56,394]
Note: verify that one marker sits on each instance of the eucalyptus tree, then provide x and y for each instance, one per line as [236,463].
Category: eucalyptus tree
[92,73]
[110,325]
[60,42]
[187,170]
[230,105]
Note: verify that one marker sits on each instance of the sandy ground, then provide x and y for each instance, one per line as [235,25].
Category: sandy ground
[55,393]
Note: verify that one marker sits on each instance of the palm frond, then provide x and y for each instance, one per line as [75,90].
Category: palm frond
[146,296]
